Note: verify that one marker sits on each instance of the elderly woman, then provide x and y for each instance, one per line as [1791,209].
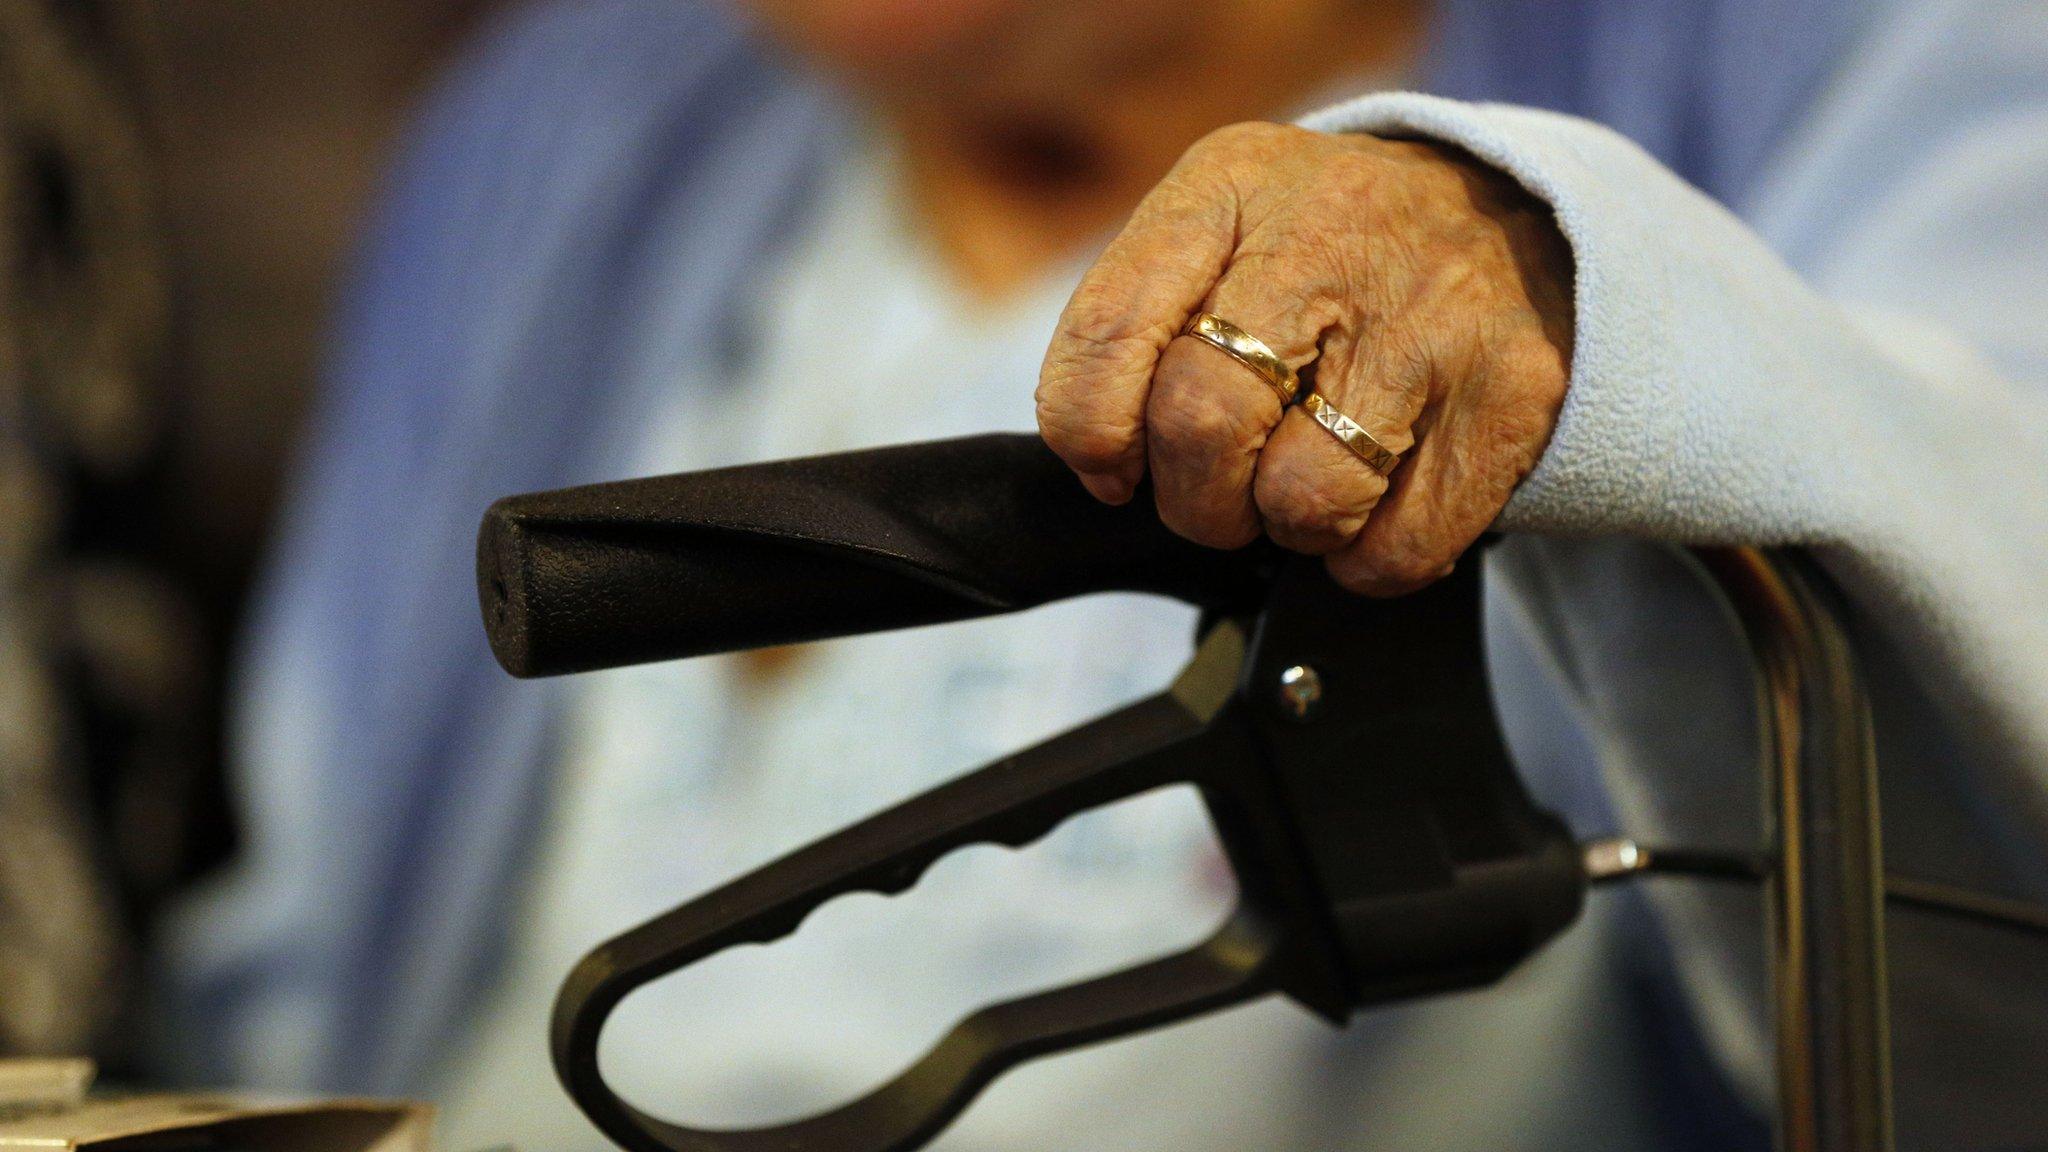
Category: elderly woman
[1793,291]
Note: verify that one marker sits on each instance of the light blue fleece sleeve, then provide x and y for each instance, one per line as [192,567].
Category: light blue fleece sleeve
[1887,402]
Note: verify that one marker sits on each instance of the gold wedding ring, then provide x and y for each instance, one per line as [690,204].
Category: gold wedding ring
[1375,454]
[1253,353]
[1247,350]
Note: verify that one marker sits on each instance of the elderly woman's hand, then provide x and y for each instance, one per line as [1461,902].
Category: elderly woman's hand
[1427,296]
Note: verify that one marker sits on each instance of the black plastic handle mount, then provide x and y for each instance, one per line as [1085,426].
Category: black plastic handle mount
[1383,847]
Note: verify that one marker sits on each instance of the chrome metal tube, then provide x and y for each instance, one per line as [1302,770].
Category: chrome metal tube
[1826,891]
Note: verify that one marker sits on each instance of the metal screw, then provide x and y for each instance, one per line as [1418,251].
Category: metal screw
[1301,689]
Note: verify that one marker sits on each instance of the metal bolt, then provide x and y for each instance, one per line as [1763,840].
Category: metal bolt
[1301,689]
[1612,859]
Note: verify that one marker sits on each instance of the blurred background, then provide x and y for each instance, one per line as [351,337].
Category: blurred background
[179,179]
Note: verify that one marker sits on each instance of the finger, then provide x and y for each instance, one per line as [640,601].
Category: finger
[1098,371]
[1209,415]
[1315,494]
[1474,444]
[1206,420]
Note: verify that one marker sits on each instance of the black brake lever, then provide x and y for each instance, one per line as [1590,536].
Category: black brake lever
[1346,749]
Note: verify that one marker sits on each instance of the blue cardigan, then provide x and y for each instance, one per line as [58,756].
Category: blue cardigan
[513,303]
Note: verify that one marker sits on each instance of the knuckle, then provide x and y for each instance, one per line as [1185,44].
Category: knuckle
[1206,526]
[1098,325]
[1408,569]
[1402,359]
[1087,441]
[1403,566]
[1349,175]
[1090,392]
[1304,502]
[1079,376]
[1250,155]
[1243,135]
[1401,562]
[1187,420]
[1535,360]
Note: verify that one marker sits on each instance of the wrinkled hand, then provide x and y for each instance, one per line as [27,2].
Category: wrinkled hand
[1426,295]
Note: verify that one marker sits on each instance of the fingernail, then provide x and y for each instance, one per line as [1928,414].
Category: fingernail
[1108,489]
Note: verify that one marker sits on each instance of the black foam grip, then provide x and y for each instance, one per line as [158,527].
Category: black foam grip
[672,566]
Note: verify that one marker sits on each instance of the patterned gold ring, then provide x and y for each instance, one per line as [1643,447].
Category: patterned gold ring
[1247,350]
[1377,456]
